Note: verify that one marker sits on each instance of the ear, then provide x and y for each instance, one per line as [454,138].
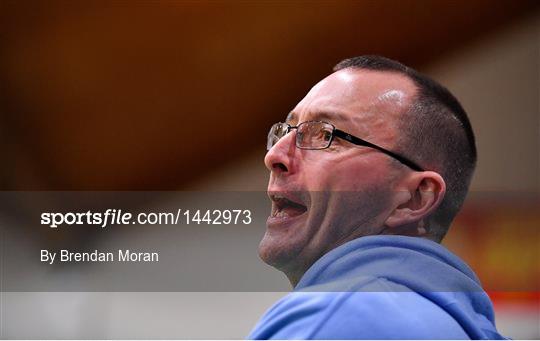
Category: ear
[417,196]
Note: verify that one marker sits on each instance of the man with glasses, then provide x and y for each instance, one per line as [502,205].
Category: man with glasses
[366,175]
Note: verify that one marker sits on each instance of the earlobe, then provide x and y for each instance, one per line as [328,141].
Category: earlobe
[423,192]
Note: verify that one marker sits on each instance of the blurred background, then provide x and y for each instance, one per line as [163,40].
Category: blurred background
[178,95]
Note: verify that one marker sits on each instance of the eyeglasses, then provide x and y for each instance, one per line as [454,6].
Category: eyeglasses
[319,135]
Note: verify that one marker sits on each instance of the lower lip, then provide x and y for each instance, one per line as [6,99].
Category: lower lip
[282,222]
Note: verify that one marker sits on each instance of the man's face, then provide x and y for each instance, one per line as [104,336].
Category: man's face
[324,198]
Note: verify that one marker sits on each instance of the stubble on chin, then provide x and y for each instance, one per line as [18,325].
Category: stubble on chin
[281,252]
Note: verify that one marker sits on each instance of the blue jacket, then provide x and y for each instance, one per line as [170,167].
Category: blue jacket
[383,287]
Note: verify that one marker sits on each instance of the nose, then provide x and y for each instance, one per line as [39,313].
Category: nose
[280,158]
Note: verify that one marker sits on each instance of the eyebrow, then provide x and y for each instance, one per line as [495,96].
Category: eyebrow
[330,116]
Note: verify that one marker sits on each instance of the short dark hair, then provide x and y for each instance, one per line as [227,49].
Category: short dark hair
[437,135]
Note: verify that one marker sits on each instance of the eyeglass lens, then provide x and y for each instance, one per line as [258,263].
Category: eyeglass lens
[314,135]
[310,135]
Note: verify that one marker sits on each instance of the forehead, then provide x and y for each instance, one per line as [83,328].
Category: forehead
[357,99]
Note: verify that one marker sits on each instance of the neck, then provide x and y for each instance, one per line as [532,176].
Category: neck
[294,272]
[294,278]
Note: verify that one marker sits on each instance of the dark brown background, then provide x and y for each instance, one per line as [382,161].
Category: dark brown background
[132,95]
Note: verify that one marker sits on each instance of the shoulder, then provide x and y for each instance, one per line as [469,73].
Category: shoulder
[361,314]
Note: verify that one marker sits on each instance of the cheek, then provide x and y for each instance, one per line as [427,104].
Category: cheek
[317,173]
[358,208]
[356,176]
[344,171]
[362,187]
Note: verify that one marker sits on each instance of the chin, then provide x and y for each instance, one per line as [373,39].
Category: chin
[276,253]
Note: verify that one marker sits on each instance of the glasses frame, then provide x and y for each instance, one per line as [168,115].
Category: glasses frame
[352,139]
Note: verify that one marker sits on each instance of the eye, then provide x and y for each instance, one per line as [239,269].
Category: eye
[326,135]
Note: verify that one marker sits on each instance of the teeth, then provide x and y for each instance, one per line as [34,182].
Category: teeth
[281,214]
[284,208]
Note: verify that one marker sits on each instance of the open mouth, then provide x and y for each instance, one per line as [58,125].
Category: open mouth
[286,207]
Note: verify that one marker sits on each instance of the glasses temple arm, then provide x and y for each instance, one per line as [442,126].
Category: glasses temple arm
[360,142]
